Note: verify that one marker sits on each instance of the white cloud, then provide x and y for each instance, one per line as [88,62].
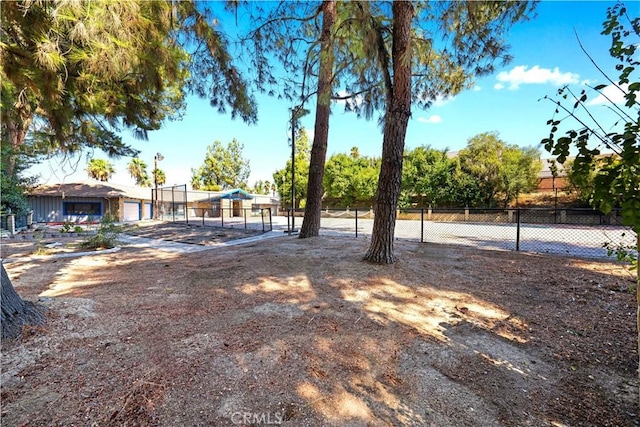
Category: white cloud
[612,93]
[431,119]
[522,74]
[498,86]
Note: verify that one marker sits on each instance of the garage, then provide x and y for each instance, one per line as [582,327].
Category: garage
[131,211]
[146,211]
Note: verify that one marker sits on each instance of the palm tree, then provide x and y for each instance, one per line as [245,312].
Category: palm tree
[138,171]
[100,169]
[195,182]
[159,177]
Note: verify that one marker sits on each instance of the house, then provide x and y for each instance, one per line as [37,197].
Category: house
[88,202]
[176,201]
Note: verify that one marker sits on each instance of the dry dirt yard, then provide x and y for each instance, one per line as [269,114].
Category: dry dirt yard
[296,332]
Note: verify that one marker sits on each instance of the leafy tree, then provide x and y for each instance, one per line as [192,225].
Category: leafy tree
[519,173]
[609,155]
[13,199]
[76,73]
[430,177]
[351,181]
[100,169]
[375,77]
[502,170]
[138,170]
[223,168]
[13,185]
[317,54]
[581,183]
[282,177]
[482,159]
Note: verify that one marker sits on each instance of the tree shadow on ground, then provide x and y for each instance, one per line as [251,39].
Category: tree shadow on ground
[305,332]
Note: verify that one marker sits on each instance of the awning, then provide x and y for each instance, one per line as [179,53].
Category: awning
[237,194]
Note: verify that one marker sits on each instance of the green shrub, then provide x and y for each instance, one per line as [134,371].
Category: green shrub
[67,226]
[106,237]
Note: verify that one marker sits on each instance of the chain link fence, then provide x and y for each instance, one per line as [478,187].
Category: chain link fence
[254,219]
[11,223]
[575,232]
[176,204]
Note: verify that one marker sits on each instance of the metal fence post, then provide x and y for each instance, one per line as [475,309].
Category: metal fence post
[555,208]
[422,225]
[270,221]
[173,205]
[11,224]
[517,229]
[244,212]
[221,215]
[356,222]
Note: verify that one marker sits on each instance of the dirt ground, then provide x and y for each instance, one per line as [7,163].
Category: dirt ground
[301,332]
[192,234]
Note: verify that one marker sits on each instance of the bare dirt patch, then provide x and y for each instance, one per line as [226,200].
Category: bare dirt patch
[193,234]
[303,333]
[28,245]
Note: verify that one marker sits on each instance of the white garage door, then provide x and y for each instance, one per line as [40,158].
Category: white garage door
[146,211]
[131,211]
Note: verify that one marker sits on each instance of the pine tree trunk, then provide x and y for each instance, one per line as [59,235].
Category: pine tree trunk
[313,209]
[395,129]
[16,313]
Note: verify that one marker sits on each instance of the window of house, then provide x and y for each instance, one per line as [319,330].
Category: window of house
[82,208]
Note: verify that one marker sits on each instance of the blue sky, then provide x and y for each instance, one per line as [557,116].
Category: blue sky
[546,57]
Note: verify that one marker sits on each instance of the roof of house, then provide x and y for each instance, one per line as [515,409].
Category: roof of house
[92,189]
[237,194]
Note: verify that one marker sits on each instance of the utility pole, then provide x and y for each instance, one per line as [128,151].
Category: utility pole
[296,113]
[158,157]
[293,169]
